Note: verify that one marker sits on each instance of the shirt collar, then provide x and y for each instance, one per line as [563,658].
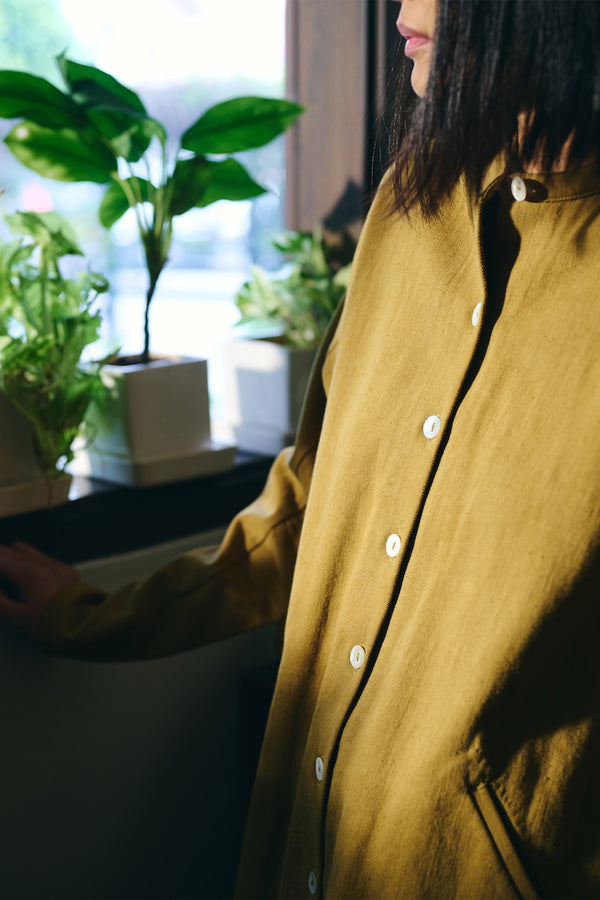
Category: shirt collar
[550,187]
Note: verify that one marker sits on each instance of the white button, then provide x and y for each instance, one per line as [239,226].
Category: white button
[518,188]
[392,545]
[312,882]
[357,656]
[431,427]
[476,317]
[319,768]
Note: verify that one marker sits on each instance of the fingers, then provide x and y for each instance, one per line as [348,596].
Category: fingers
[28,550]
[15,613]
[8,552]
[11,567]
[28,581]
[9,561]
[11,606]
[13,562]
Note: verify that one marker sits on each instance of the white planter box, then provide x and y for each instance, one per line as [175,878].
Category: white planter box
[155,427]
[36,494]
[22,487]
[265,383]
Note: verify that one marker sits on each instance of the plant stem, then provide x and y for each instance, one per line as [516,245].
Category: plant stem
[153,278]
[46,325]
[157,242]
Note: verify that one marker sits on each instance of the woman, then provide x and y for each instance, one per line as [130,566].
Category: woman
[433,537]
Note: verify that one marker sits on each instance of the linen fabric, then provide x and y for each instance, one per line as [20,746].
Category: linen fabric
[432,540]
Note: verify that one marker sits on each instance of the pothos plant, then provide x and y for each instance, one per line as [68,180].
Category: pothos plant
[46,322]
[98,130]
[299,301]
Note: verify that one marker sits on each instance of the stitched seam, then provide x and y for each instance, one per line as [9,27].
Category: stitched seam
[491,188]
[571,197]
[477,772]
[302,458]
[516,816]
[224,569]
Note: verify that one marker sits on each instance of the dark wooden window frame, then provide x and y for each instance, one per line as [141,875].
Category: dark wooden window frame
[338,58]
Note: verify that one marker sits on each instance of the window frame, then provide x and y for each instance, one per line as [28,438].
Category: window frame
[338,56]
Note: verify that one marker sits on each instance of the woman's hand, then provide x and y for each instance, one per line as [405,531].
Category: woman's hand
[28,580]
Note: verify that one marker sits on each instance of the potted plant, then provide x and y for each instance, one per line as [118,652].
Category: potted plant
[46,322]
[266,376]
[98,130]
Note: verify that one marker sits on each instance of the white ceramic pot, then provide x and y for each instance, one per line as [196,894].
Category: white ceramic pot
[155,426]
[39,493]
[265,383]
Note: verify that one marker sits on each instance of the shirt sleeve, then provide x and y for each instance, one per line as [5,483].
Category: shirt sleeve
[209,593]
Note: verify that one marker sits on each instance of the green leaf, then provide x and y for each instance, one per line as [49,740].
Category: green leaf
[91,86]
[63,154]
[229,180]
[132,143]
[115,201]
[113,205]
[301,302]
[188,184]
[93,282]
[109,123]
[47,228]
[25,96]
[50,322]
[240,124]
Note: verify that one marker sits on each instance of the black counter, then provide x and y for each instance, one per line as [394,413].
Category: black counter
[102,519]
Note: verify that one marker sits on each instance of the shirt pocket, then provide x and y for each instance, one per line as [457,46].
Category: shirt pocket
[503,837]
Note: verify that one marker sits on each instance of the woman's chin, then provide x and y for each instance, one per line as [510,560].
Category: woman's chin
[418,80]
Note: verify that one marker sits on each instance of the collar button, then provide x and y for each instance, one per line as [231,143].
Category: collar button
[518,188]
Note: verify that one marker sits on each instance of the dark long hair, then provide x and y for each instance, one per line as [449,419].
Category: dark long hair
[494,59]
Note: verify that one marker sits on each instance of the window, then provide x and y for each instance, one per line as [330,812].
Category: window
[180,56]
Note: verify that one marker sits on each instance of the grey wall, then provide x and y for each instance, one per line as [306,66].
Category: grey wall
[123,780]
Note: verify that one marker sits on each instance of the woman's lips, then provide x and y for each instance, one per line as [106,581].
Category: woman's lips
[414,39]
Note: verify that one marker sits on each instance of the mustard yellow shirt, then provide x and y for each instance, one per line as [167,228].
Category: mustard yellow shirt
[433,541]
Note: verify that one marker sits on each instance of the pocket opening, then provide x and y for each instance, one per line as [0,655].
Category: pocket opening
[491,812]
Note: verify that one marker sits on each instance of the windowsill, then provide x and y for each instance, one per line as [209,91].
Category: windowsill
[101,519]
